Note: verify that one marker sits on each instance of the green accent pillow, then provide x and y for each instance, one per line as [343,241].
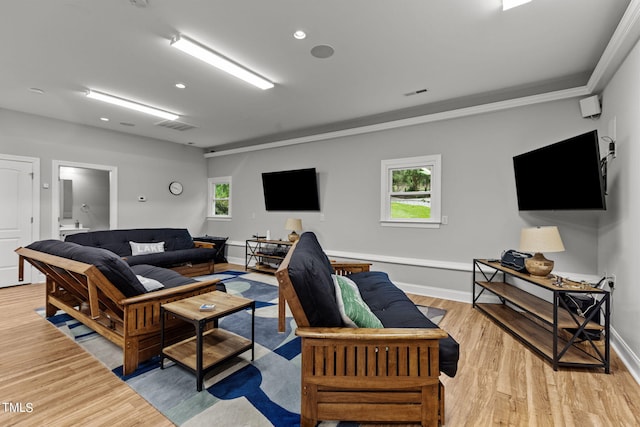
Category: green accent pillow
[354,311]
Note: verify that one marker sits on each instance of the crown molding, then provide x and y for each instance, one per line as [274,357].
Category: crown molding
[624,38]
[412,121]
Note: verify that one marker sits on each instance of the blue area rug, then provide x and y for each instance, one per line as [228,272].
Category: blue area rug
[240,392]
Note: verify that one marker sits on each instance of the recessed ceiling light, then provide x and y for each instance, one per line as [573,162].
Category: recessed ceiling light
[510,4]
[300,35]
[181,85]
[104,119]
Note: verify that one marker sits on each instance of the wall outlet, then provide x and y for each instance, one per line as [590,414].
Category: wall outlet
[609,280]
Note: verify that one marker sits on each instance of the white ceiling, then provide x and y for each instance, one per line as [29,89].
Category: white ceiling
[463,52]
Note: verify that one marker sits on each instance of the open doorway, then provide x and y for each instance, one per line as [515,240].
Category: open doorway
[84,198]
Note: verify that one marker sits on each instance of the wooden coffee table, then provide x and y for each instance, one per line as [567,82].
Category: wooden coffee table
[207,348]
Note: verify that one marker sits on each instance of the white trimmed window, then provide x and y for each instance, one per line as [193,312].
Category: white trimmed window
[410,192]
[219,201]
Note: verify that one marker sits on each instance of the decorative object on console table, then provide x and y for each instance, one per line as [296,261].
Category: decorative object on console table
[538,240]
[293,224]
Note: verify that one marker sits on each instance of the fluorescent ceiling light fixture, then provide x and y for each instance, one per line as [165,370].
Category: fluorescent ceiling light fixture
[131,105]
[212,58]
[509,4]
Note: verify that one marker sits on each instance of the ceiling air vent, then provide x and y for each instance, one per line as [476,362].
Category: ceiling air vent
[175,125]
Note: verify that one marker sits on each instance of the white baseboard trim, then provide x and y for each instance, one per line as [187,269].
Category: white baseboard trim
[416,262]
[628,357]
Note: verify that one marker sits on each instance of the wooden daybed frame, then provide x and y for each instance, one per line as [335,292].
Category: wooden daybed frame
[83,292]
[365,374]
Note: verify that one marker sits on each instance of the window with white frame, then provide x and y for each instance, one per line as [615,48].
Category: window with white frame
[219,197]
[410,191]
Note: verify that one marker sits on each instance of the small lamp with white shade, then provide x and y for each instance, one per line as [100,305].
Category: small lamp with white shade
[294,225]
[538,240]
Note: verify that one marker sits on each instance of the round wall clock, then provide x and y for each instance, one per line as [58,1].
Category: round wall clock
[175,188]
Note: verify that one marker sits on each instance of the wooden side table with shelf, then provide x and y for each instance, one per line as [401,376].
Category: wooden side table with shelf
[550,329]
[209,347]
[265,255]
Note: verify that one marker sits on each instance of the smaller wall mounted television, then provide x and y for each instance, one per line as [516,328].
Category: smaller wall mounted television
[566,175]
[291,190]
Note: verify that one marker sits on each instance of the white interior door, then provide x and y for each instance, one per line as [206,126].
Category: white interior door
[16,217]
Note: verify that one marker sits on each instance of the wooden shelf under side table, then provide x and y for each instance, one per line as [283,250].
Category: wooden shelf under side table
[207,348]
[547,328]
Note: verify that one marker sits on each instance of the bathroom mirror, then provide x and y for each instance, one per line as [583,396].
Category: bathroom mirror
[66,198]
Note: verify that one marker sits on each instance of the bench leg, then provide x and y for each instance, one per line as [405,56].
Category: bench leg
[130,356]
[50,288]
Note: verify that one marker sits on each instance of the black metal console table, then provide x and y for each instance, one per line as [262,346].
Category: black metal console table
[550,329]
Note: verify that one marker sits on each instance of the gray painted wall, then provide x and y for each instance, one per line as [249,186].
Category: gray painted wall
[478,193]
[619,242]
[145,167]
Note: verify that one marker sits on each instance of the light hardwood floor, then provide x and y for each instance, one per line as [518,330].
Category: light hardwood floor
[499,382]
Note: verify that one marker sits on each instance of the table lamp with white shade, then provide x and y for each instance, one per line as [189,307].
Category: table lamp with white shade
[538,240]
[294,225]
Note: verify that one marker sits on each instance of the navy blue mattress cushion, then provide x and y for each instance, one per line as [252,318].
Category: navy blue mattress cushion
[169,278]
[310,273]
[110,265]
[395,310]
[117,241]
[173,258]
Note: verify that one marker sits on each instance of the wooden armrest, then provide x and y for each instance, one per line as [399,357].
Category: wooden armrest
[199,244]
[165,293]
[385,334]
[64,263]
[342,267]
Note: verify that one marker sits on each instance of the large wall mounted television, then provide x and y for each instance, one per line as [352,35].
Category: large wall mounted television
[292,190]
[566,175]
